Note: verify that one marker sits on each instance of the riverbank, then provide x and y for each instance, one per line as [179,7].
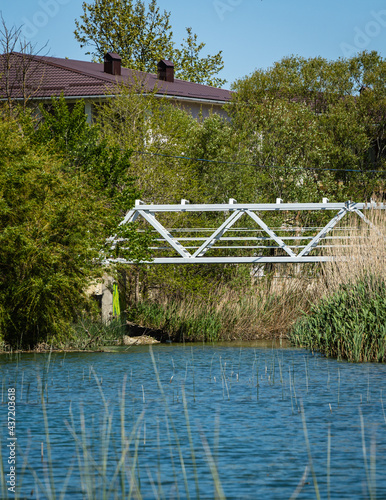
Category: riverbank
[246,308]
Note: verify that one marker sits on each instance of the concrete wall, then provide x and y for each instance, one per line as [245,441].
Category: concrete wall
[103,293]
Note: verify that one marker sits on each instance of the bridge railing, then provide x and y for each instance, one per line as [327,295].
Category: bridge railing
[246,233]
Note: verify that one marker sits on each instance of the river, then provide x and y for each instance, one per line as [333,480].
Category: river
[235,421]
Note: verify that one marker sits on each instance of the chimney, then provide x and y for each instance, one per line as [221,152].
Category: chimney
[112,64]
[165,71]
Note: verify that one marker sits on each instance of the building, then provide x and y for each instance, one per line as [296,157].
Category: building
[25,77]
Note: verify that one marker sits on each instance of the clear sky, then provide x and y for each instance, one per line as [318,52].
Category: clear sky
[252,34]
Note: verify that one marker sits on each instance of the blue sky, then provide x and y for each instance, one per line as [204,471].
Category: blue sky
[252,34]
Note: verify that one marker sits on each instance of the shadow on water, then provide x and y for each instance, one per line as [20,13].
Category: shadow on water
[195,421]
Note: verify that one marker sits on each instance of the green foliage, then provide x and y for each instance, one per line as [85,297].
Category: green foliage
[142,36]
[51,228]
[155,130]
[181,283]
[66,130]
[63,193]
[106,167]
[216,142]
[350,324]
[135,243]
[190,66]
[307,120]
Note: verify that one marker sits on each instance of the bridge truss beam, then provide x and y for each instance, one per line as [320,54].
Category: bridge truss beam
[285,244]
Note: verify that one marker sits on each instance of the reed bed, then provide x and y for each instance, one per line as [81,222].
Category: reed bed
[365,256]
[265,309]
[349,319]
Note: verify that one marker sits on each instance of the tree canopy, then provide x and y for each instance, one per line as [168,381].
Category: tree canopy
[316,126]
[142,35]
[63,192]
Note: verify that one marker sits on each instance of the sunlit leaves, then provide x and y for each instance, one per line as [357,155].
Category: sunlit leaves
[321,123]
[190,66]
[142,35]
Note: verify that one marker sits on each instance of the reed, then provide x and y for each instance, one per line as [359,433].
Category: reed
[365,256]
[348,320]
[180,320]
[264,309]
[89,333]
[106,464]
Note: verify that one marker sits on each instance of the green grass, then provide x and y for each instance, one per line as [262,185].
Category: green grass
[349,324]
[189,323]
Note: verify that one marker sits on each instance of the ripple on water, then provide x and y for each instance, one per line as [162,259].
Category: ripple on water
[244,407]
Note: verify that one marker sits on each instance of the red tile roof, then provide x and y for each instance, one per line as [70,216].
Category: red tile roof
[50,76]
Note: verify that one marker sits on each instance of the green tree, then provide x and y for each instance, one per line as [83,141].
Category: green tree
[106,166]
[63,192]
[81,148]
[52,228]
[315,127]
[157,132]
[220,171]
[142,35]
[190,66]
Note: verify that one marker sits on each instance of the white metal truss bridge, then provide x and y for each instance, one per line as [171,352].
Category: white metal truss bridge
[237,233]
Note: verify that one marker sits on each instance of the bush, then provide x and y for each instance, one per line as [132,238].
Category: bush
[52,224]
[349,324]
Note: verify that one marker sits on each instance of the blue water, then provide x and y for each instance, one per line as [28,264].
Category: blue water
[249,410]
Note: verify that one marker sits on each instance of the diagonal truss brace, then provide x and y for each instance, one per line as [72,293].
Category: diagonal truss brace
[271,233]
[217,234]
[373,226]
[322,233]
[146,214]
[131,216]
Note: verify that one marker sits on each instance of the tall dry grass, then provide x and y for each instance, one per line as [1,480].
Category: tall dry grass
[349,319]
[265,309]
[365,254]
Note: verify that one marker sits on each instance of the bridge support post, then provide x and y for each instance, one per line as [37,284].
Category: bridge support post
[107,299]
